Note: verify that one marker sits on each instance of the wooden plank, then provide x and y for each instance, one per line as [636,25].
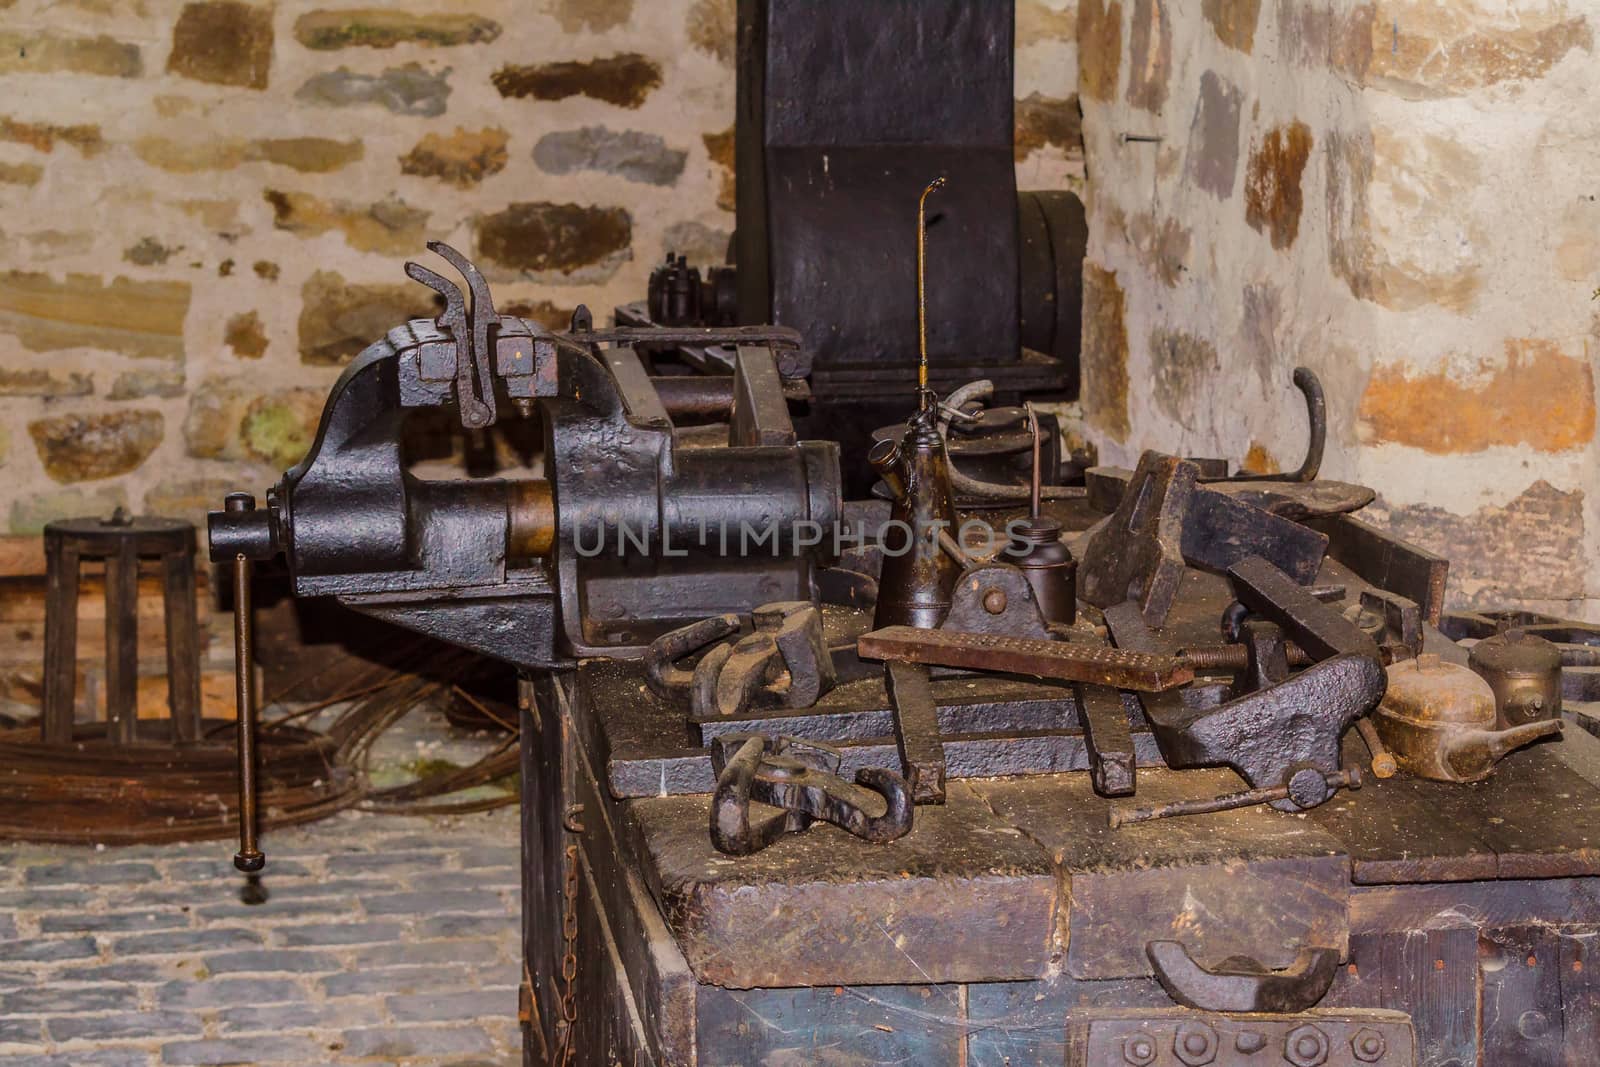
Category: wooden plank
[182,632]
[1539,815]
[616,1034]
[122,644]
[833,1025]
[1580,996]
[60,645]
[22,556]
[1430,974]
[1180,878]
[962,897]
[1522,1012]
[1025,1022]
[1387,562]
[1403,829]
[661,984]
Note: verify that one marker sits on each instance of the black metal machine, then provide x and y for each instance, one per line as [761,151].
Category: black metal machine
[845,110]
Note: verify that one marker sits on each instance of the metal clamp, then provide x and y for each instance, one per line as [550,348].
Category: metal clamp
[1242,984]
[801,780]
[784,663]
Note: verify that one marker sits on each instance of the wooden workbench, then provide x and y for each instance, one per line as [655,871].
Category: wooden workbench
[1472,908]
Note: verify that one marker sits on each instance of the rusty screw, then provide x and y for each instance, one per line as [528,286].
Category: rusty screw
[1306,1046]
[1195,1044]
[994,601]
[1139,1050]
[1368,1046]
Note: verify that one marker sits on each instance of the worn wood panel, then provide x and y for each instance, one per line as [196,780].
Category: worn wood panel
[1487,904]
[608,1030]
[1014,1023]
[1522,1011]
[1580,997]
[1388,563]
[1431,975]
[545,792]
[655,971]
[1539,815]
[1253,881]
[1403,829]
[832,1025]
[963,897]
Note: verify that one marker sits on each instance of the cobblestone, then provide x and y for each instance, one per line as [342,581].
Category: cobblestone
[380,940]
[398,1042]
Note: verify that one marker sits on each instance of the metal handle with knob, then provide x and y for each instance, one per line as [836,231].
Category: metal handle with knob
[249,858]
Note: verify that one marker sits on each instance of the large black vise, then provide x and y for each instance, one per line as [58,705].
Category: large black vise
[632,530]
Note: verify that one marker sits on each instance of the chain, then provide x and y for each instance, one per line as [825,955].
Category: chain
[569,937]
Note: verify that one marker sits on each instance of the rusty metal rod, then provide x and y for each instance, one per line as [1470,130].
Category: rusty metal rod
[1383,762]
[1123,816]
[249,858]
[1234,657]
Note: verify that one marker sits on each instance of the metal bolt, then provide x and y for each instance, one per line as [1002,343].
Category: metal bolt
[1306,1046]
[1368,1046]
[1195,1044]
[1139,1050]
[994,601]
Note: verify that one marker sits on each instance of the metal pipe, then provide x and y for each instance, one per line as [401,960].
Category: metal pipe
[249,858]
[922,288]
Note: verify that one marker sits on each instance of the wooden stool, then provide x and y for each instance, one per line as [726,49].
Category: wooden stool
[121,541]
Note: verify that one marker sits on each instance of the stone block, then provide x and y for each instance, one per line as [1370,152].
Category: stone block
[122,1025]
[384,28]
[44,382]
[226,992]
[234,419]
[56,999]
[42,136]
[712,26]
[136,318]
[624,80]
[1099,48]
[185,941]
[336,934]
[1046,120]
[1537,398]
[272,1048]
[463,158]
[1273,198]
[338,318]
[1213,152]
[410,89]
[638,157]
[225,42]
[1105,352]
[245,335]
[579,242]
[103,445]
[113,922]
[269,961]
[47,52]
[1233,21]
[402,1042]
[389,226]
[1149,55]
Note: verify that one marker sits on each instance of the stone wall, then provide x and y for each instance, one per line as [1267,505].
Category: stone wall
[1399,194]
[205,206]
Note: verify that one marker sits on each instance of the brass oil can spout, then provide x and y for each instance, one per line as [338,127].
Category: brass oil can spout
[1472,754]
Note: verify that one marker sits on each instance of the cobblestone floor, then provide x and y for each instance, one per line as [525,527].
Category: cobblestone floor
[381,940]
